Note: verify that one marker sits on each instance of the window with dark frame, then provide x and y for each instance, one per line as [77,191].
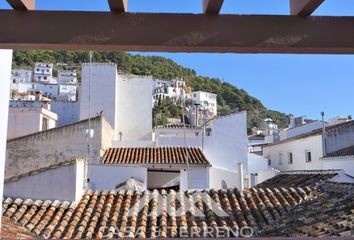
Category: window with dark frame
[308,156]
[290,157]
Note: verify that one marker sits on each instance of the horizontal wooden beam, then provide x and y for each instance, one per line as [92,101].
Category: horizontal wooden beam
[304,7]
[118,6]
[150,32]
[212,6]
[22,4]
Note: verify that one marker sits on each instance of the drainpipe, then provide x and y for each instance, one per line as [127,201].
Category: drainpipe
[240,170]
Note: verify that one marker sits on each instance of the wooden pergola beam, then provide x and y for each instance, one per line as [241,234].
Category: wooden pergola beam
[164,32]
[22,4]
[118,6]
[304,7]
[212,6]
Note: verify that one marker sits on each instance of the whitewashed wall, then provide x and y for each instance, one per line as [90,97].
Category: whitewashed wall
[298,148]
[225,148]
[24,121]
[222,177]
[178,141]
[5,75]
[340,138]
[266,174]
[132,143]
[292,132]
[345,163]
[49,90]
[104,177]
[256,163]
[62,183]
[198,178]
[103,91]
[68,112]
[228,144]
[22,87]
[134,112]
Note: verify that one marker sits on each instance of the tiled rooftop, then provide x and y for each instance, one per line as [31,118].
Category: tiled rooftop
[11,230]
[300,178]
[330,214]
[159,155]
[178,126]
[103,214]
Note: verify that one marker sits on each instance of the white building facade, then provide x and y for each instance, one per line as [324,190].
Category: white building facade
[134,112]
[67,93]
[67,80]
[43,72]
[25,120]
[48,90]
[297,154]
[124,99]
[309,151]
[67,77]
[224,143]
[101,90]
[202,107]
[172,89]
[21,76]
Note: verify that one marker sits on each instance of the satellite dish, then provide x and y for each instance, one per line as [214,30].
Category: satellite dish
[224,185]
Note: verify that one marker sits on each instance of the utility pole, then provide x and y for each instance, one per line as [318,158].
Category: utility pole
[324,153]
[196,104]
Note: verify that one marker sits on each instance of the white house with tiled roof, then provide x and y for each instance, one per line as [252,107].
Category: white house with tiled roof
[307,151]
[179,168]
[224,143]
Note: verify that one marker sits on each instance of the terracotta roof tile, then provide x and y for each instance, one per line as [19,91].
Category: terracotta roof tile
[299,178]
[293,211]
[330,213]
[100,214]
[159,155]
[11,230]
[178,126]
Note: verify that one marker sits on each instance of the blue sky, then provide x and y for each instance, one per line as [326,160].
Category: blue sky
[297,84]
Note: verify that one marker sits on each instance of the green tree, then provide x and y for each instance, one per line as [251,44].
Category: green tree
[229,99]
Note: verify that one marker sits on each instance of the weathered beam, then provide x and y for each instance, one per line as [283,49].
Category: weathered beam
[150,32]
[22,4]
[304,7]
[212,6]
[118,6]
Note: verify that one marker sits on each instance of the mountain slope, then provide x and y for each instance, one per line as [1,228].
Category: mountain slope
[230,98]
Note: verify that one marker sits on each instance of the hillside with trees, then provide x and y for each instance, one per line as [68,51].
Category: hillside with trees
[230,98]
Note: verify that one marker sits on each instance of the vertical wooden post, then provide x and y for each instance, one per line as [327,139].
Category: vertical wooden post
[5,74]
